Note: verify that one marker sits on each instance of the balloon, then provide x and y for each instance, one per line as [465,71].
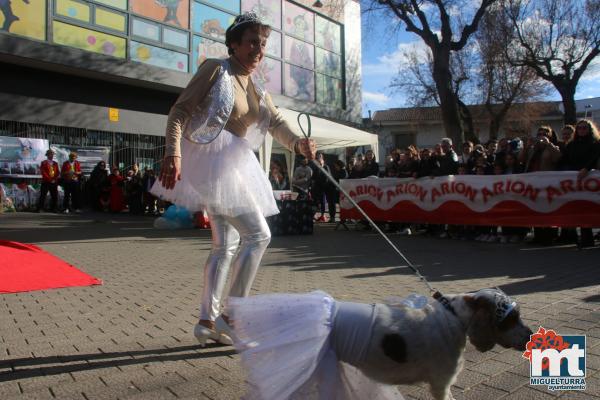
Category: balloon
[183,214]
[171,212]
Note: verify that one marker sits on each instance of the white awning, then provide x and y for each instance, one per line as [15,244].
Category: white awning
[327,135]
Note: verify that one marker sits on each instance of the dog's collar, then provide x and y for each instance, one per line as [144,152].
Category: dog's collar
[445,302]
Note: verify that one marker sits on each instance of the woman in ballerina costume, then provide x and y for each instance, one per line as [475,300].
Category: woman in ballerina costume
[213,129]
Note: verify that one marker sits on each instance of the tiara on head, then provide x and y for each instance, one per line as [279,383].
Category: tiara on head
[504,305]
[247,17]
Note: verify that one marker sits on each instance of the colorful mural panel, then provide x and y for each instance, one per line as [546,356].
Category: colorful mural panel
[228,5]
[145,29]
[158,57]
[87,39]
[24,17]
[205,48]
[175,38]
[299,22]
[328,63]
[269,75]
[299,53]
[173,12]
[210,22]
[268,10]
[329,91]
[299,83]
[73,9]
[328,34]
[110,19]
[274,44]
[121,4]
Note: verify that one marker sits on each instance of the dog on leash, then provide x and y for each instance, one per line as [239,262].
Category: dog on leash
[410,345]
[355,351]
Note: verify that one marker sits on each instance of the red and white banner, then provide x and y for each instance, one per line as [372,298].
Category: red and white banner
[533,199]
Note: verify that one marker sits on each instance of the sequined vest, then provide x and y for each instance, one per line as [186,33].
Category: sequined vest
[211,115]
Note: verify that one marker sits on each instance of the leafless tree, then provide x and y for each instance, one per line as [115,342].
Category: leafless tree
[558,39]
[416,81]
[424,18]
[501,84]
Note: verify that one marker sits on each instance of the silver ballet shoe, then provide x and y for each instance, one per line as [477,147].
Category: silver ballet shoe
[203,333]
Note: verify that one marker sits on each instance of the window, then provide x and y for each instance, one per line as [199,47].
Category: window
[171,12]
[210,22]
[158,56]
[87,39]
[269,10]
[204,48]
[269,74]
[91,15]
[299,53]
[175,38]
[120,4]
[299,83]
[304,56]
[145,29]
[232,6]
[73,9]
[299,22]
[110,19]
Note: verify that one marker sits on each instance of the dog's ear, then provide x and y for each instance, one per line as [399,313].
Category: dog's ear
[481,326]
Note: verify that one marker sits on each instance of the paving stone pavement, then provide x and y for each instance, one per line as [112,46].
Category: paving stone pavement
[131,337]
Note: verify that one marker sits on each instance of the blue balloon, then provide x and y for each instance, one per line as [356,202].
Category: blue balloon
[183,214]
[171,212]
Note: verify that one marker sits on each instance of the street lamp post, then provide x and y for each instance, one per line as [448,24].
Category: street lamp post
[586,107]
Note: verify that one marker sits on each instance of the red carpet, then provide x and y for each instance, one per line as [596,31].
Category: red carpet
[25,267]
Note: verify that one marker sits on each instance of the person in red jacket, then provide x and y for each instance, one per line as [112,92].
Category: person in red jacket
[50,174]
[71,175]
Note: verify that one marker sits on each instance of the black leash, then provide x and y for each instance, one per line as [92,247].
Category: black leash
[436,294]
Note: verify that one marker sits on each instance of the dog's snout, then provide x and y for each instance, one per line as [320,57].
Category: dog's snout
[525,339]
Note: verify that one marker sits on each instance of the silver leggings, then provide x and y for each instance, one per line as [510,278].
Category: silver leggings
[254,233]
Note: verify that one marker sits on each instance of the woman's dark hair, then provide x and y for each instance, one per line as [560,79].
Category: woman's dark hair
[248,20]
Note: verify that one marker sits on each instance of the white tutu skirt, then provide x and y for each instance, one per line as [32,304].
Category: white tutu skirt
[285,346]
[223,177]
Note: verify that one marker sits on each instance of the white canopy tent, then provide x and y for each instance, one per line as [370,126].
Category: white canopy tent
[327,134]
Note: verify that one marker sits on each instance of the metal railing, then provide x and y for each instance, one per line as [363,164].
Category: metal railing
[126,148]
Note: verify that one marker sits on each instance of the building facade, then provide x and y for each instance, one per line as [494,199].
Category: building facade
[106,72]
[423,126]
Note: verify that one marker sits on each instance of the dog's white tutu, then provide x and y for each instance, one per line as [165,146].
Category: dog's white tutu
[285,345]
[222,177]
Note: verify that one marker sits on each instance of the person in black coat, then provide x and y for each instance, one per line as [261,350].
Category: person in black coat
[582,154]
[323,189]
[371,167]
[98,184]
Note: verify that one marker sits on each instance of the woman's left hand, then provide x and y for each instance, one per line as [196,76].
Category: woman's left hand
[308,148]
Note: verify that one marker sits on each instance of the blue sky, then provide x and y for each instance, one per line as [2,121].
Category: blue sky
[382,47]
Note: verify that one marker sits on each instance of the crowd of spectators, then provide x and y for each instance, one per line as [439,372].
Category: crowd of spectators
[577,149]
[115,192]
[103,190]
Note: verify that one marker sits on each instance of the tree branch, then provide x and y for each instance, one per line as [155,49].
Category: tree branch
[586,62]
[472,27]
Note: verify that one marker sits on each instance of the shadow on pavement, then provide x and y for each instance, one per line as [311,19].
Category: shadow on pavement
[442,261]
[42,366]
[47,227]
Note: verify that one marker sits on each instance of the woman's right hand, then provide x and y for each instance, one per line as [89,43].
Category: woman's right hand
[170,171]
